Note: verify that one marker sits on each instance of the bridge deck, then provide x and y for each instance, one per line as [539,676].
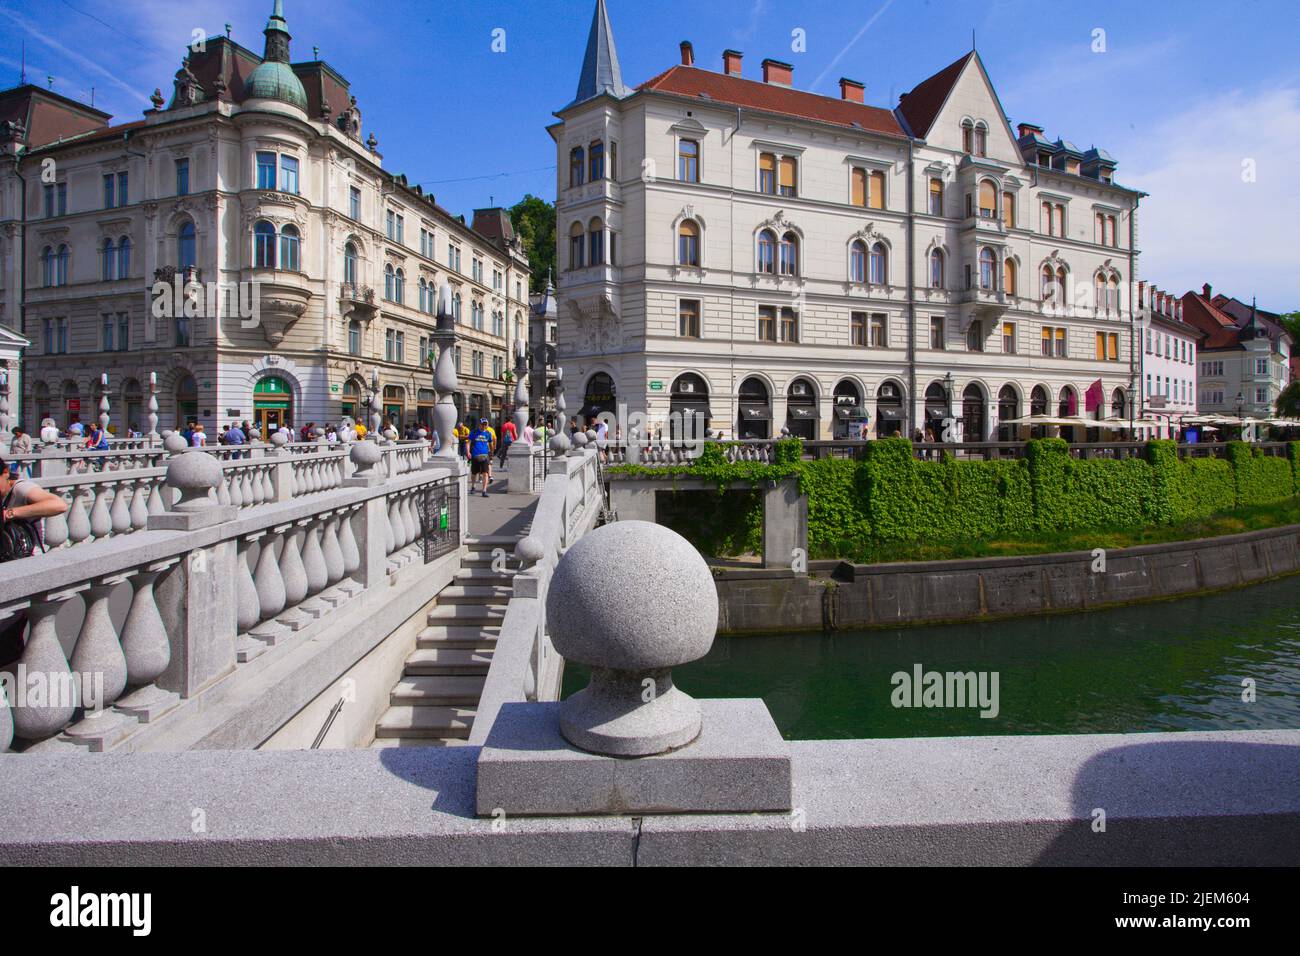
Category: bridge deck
[500,513]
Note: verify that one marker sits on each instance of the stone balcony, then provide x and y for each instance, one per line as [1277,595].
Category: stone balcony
[283,297]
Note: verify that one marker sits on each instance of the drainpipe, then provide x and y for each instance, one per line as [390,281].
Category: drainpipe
[911,294]
[1133,373]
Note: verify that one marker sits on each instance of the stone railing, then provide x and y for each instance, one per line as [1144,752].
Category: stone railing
[525,665]
[122,633]
[665,453]
[53,462]
[102,504]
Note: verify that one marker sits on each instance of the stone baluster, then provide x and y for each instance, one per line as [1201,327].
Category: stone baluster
[147,649]
[268,485]
[100,665]
[79,514]
[396,528]
[271,595]
[313,560]
[120,513]
[348,543]
[56,527]
[250,606]
[331,549]
[410,513]
[139,510]
[43,662]
[101,521]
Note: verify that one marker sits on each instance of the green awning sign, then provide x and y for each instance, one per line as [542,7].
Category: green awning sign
[656,385]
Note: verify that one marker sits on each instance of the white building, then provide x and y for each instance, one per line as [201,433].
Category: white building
[254,175]
[1245,357]
[1169,360]
[769,257]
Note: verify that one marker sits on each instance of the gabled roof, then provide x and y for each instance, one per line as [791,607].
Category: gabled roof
[921,105]
[601,73]
[751,94]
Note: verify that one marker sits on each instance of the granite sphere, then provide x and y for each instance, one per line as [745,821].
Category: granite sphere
[632,596]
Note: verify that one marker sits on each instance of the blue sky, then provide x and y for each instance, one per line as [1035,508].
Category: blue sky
[1184,94]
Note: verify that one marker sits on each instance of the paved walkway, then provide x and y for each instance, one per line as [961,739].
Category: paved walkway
[500,512]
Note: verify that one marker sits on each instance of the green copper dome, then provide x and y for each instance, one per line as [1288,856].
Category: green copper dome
[276,81]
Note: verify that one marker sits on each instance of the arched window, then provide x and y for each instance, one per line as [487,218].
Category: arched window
[1008,403]
[688,243]
[988,200]
[936,268]
[388,281]
[596,161]
[879,264]
[263,245]
[350,264]
[185,251]
[424,294]
[47,266]
[988,269]
[455,309]
[1113,288]
[577,245]
[399,287]
[981,139]
[61,265]
[595,242]
[1117,403]
[108,264]
[858,261]
[290,249]
[354,337]
[789,254]
[1038,401]
[124,258]
[1009,276]
[767,251]
[1068,403]
[575,166]
[1048,284]
[967,136]
[1009,210]
[1101,301]
[1061,287]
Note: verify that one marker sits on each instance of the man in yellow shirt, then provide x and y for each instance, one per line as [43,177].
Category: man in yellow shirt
[461,433]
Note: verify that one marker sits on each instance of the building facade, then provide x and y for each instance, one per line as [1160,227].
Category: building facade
[769,258]
[1244,358]
[314,268]
[1169,360]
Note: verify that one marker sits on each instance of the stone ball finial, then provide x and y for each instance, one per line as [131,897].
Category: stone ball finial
[591,434]
[175,443]
[365,455]
[193,475]
[530,550]
[279,439]
[559,443]
[579,440]
[606,608]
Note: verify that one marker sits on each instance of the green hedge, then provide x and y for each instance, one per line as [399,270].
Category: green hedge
[888,495]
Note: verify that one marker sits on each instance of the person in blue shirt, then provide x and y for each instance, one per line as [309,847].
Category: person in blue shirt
[480,454]
[235,436]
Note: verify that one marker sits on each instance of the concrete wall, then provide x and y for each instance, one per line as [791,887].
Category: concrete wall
[1169,799]
[856,596]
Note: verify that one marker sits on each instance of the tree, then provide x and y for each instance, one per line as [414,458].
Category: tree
[1291,322]
[1288,403]
[534,222]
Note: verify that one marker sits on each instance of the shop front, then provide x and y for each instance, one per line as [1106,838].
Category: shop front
[688,410]
[272,404]
[851,417]
[889,410]
[754,419]
[801,410]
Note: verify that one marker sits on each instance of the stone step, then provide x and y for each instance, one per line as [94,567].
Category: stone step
[485,560]
[448,660]
[408,721]
[428,690]
[485,595]
[387,743]
[473,615]
[484,576]
[489,541]
[455,635]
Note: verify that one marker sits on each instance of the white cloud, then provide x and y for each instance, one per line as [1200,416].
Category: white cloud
[1203,222]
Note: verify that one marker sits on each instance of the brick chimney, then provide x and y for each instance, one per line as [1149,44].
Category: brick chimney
[688,53]
[1207,290]
[731,62]
[851,91]
[778,73]
[1024,129]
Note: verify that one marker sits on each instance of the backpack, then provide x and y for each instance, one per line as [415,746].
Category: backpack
[19,537]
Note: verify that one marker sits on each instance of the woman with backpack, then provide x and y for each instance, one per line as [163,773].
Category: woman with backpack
[23,504]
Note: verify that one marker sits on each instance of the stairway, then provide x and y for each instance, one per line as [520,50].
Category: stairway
[434,702]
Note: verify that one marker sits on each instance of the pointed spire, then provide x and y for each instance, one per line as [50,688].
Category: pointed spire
[277,35]
[600,70]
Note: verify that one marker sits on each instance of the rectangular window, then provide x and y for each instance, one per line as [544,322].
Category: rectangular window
[182,177]
[401,230]
[876,196]
[110,325]
[1112,346]
[109,191]
[767,323]
[1261,366]
[688,319]
[1047,340]
[1261,396]
[1101,345]
[879,330]
[182,332]
[390,338]
[390,223]
[48,193]
[123,331]
[354,203]
[789,325]
[1009,338]
[859,187]
[938,339]
[975,336]
[596,161]
[767,173]
[289,170]
[858,328]
[400,348]
[1061,344]
[266,170]
[123,190]
[936,197]
[688,161]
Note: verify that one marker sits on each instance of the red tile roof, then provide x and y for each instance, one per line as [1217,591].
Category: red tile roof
[921,105]
[751,94]
[1220,329]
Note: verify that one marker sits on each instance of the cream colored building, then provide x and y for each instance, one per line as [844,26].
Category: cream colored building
[253,180]
[773,258]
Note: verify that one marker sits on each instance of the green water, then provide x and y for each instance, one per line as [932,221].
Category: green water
[1157,667]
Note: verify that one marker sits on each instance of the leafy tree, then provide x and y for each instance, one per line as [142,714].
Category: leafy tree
[534,221]
[1288,403]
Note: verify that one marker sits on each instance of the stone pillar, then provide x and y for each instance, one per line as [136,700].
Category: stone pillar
[445,381]
[785,524]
